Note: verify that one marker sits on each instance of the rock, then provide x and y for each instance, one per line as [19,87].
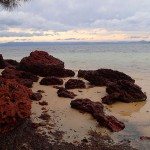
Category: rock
[45,116]
[26,82]
[74,83]
[123,91]
[51,81]
[36,96]
[97,111]
[68,73]
[7,63]
[25,78]
[15,104]
[102,77]
[11,63]
[40,91]
[83,73]
[43,103]
[41,63]
[62,92]
[2,63]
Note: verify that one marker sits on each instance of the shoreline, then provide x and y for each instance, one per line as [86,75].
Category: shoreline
[64,124]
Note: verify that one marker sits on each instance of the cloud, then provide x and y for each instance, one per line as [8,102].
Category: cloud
[68,15]
[18,34]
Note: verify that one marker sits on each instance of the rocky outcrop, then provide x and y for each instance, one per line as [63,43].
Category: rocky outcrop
[2,63]
[62,92]
[123,91]
[7,63]
[84,73]
[68,73]
[75,83]
[11,63]
[15,104]
[25,78]
[51,81]
[96,110]
[102,77]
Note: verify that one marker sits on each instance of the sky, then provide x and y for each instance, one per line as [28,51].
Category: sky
[76,20]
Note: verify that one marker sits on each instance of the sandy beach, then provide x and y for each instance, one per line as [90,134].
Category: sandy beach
[62,127]
[76,126]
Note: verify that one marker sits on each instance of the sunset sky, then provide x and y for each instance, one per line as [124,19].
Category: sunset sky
[76,20]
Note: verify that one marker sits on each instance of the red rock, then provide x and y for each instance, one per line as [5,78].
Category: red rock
[97,111]
[36,96]
[41,63]
[2,63]
[74,83]
[62,92]
[15,104]
[102,77]
[123,91]
[43,103]
[25,78]
[11,62]
[51,81]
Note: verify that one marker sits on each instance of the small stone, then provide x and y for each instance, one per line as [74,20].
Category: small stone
[43,103]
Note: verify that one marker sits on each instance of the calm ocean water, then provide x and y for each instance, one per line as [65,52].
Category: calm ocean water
[130,58]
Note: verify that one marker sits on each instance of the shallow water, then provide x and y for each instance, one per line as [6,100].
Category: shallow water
[132,59]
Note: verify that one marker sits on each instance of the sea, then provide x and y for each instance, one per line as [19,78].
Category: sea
[130,58]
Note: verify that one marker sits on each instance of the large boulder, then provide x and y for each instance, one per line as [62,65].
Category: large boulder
[25,78]
[15,104]
[51,81]
[74,83]
[96,109]
[123,91]
[102,77]
[41,63]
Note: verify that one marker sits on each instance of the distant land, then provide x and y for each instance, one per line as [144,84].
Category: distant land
[64,43]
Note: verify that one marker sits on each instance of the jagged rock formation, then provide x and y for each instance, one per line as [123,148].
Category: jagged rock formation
[25,78]
[43,64]
[15,104]
[123,91]
[102,77]
[97,111]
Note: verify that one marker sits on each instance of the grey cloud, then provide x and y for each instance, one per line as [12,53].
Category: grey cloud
[19,34]
[63,15]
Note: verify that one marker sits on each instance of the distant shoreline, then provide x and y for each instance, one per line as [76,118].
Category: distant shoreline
[67,43]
